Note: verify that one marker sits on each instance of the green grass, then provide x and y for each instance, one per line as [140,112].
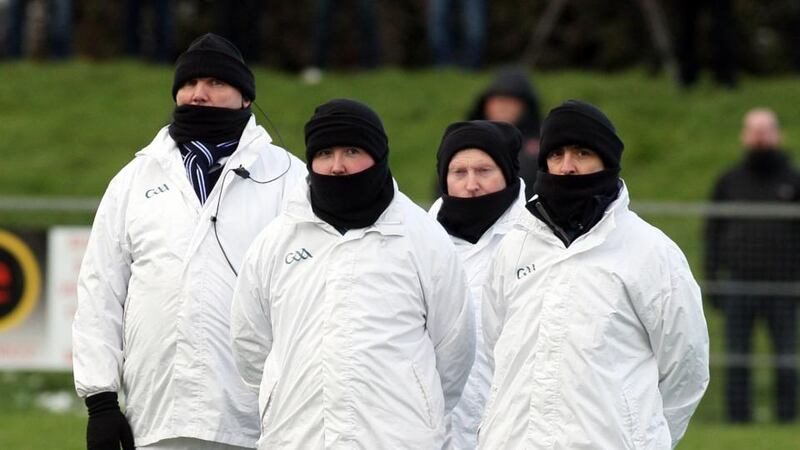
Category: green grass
[87,120]
[66,129]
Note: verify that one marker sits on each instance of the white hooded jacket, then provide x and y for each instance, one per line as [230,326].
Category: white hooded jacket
[600,345]
[476,258]
[154,290]
[361,340]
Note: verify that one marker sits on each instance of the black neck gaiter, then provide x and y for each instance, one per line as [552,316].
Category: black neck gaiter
[575,203]
[468,218]
[208,123]
[352,201]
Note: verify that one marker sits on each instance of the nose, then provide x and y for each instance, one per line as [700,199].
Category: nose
[337,167]
[473,186]
[568,166]
[199,94]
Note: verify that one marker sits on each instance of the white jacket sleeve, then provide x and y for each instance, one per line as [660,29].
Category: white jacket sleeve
[97,340]
[251,325]
[451,323]
[679,339]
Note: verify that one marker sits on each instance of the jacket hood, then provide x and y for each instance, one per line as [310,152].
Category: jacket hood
[513,82]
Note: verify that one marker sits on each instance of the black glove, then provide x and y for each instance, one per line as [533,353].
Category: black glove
[107,427]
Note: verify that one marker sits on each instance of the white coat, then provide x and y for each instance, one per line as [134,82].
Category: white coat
[361,340]
[154,290]
[477,257]
[600,345]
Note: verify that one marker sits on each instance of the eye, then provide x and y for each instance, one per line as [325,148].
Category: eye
[555,154]
[216,82]
[353,151]
[323,153]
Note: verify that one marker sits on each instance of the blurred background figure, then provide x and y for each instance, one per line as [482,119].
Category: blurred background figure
[442,34]
[369,43]
[743,251]
[58,19]
[721,36]
[512,98]
[158,36]
[240,22]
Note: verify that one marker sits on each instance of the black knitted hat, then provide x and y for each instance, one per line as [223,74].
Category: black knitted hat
[500,140]
[575,122]
[344,122]
[211,55]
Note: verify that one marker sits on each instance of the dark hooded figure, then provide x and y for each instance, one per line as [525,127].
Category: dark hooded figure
[511,98]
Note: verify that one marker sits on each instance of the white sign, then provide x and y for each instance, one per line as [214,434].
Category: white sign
[40,335]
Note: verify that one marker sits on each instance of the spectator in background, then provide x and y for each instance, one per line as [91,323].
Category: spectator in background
[59,28]
[592,320]
[722,37]
[477,166]
[442,35]
[745,250]
[160,35]
[366,24]
[512,98]
[156,283]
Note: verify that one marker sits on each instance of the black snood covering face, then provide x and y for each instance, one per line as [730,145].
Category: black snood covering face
[576,202]
[208,123]
[469,217]
[352,201]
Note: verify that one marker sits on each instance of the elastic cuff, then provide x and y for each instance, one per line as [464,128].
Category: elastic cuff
[102,402]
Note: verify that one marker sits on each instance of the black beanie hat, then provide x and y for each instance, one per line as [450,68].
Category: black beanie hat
[211,55]
[500,140]
[575,122]
[344,122]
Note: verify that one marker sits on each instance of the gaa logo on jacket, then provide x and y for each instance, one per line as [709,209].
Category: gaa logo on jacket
[20,280]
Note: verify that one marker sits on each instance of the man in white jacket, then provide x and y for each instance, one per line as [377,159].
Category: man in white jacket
[482,196]
[591,317]
[351,315]
[157,279]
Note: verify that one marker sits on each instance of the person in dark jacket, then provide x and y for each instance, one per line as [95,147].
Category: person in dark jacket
[751,262]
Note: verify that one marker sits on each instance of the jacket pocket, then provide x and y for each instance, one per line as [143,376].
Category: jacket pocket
[630,417]
[424,396]
[266,395]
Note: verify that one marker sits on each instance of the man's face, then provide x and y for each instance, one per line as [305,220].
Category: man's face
[340,161]
[503,108]
[574,160]
[209,91]
[472,173]
[760,131]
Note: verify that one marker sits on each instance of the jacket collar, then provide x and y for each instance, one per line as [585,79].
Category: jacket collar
[165,149]
[596,236]
[390,222]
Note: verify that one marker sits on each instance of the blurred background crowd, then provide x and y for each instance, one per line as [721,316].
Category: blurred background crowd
[728,36]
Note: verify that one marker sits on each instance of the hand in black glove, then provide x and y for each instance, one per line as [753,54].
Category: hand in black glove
[107,427]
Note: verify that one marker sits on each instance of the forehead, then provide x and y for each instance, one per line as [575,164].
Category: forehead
[761,119]
[575,148]
[471,156]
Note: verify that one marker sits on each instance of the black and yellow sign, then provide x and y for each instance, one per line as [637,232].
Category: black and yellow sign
[20,280]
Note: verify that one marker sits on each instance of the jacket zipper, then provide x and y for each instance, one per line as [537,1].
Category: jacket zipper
[557,229]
